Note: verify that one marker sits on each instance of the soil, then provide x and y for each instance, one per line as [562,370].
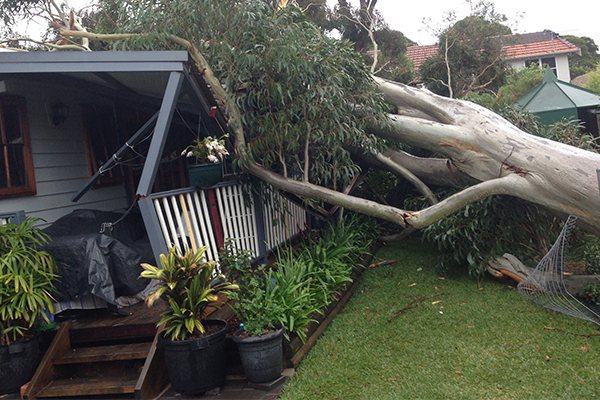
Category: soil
[208,330]
[234,324]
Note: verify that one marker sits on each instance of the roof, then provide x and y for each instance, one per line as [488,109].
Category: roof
[537,44]
[523,45]
[418,54]
[553,94]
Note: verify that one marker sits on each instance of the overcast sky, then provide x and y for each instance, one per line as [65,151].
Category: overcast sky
[573,17]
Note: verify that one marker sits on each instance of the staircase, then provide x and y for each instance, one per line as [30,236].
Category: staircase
[98,358]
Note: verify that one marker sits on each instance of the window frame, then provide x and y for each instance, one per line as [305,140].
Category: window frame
[29,188]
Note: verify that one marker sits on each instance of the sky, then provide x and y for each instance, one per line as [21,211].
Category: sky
[573,17]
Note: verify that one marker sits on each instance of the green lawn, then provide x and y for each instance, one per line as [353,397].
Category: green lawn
[471,340]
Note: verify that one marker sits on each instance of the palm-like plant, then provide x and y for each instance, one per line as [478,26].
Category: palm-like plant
[26,275]
[187,284]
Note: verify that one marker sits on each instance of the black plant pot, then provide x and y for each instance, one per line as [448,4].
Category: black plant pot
[261,356]
[197,365]
[18,362]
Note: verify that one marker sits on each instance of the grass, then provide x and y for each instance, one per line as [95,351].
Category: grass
[470,340]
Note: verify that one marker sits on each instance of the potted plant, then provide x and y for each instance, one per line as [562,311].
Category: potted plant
[260,340]
[205,167]
[26,275]
[193,345]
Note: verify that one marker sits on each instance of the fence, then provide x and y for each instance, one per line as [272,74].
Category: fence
[191,218]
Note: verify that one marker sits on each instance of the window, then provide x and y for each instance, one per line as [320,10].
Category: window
[543,62]
[102,140]
[16,163]
[551,62]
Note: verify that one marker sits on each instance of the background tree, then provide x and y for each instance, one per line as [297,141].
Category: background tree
[517,83]
[589,58]
[470,57]
[593,82]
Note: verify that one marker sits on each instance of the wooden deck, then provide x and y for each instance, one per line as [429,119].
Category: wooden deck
[100,324]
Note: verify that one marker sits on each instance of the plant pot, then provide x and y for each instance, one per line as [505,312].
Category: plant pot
[205,175]
[18,362]
[261,356]
[197,365]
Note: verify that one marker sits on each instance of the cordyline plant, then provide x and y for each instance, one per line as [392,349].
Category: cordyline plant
[187,284]
[26,275]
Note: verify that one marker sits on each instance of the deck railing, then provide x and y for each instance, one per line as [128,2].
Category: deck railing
[191,218]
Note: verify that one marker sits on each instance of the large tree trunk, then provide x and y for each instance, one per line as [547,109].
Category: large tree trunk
[506,160]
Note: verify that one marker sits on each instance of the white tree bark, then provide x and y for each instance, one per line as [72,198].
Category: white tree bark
[489,149]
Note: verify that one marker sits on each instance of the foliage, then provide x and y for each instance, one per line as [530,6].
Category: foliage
[571,131]
[299,90]
[207,150]
[301,282]
[586,249]
[187,284]
[311,277]
[593,82]
[393,63]
[26,275]
[476,340]
[592,294]
[518,82]
[589,58]
[257,302]
[260,307]
[470,57]
[489,228]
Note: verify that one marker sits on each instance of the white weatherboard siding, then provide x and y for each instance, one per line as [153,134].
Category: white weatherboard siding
[59,157]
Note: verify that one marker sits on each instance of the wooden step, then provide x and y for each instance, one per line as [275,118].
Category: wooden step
[77,387]
[133,351]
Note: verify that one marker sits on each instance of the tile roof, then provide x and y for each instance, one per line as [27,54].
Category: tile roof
[525,45]
[535,44]
[418,54]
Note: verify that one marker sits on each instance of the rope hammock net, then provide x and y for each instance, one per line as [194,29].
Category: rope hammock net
[546,285]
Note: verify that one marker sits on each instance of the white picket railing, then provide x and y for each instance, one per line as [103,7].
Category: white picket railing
[186,221]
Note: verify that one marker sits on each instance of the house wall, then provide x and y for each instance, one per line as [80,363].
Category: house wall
[562,66]
[59,157]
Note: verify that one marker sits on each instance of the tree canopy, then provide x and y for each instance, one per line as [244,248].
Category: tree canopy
[470,56]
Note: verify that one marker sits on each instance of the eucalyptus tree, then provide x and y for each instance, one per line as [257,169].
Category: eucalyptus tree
[303,109]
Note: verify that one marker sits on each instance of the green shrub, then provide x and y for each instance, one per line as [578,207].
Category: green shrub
[26,279]
[489,228]
[592,294]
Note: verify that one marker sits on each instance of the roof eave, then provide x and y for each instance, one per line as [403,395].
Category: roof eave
[555,53]
[101,61]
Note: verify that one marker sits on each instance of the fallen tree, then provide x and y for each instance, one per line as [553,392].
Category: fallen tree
[482,149]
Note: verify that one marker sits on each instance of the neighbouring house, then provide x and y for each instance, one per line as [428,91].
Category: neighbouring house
[522,50]
[104,131]
[553,100]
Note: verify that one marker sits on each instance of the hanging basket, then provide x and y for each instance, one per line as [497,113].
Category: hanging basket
[205,175]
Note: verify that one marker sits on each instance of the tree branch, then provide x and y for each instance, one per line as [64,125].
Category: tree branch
[406,174]
[511,184]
